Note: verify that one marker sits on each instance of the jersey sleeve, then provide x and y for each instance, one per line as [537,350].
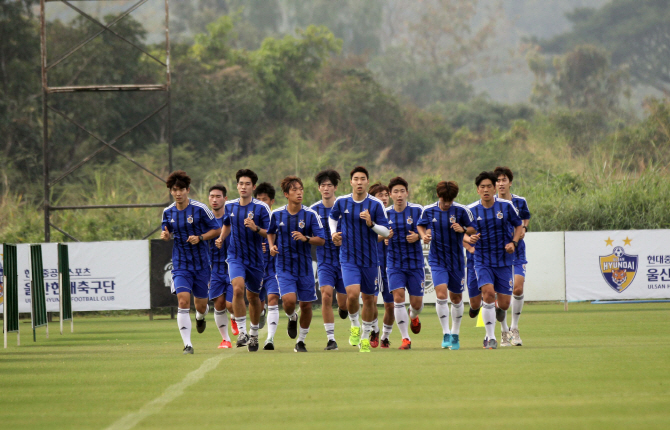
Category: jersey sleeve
[166,222]
[379,215]
[424,218]
[264,217]
[226,218]
[466,218]
[272,228]
[316,226]
[208,220]
[524,213]
[335,212]
[513,215]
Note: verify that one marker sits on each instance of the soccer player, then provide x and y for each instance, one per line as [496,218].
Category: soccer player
[293,229]
[220,289]
[265,192]
[246,221]
[381,192]
[447,221]
[190,223]
[328,269]
[362,218]
[499,226]
[405,259]
[504,185]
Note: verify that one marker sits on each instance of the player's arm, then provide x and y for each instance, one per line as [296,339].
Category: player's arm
[225,232]
[379,223]
[518,229]
[318,234]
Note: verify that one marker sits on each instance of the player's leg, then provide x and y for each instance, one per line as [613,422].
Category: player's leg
[486,280]
[182,281]
[327,281]
[288,288]
[254,286]
[271,286]
[401,315]
[503,285]
[440,280]
[389,309]
[517,302]
[201,298]
[369,290]
[456,287]
[414,279]
[238,275]
[306,295]
[229,308]
[217,294]
[263,297]
[351,277]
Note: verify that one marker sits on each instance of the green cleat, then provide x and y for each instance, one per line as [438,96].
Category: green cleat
[446,341]
[355,336]
[365,345]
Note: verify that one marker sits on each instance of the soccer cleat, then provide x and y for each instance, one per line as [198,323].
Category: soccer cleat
[505,338]
[332,346]
[233,326]
[343,313]
[446,341]
[500,314]
[473,312]
[225,344]
[188,350]
[269,345]
[406,344]
[455,344]
[385,343]
[490,344]
[261,322]
[374,339]
[201,325]
[415,325]
[300,347]
[252,346]
[292,328]
[355,336]
[365,345]
[516,340]
[242,340]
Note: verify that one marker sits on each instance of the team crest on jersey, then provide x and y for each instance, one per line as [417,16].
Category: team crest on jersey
[410,221]
[250,215]
[618,269]
[500,215]
[189,219]
[301,223]
[452,219]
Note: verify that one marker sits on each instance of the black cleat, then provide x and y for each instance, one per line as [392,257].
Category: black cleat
[500,314]
[252,346]
[264,314]
[188,350]
[269,346]
[332,346]
[201,325]
[474,312]
[385,343]
[300,347]
[292,328]
[343,313]
[242,340]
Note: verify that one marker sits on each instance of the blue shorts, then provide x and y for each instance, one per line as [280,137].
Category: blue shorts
[253,278]
[520,269]
[331,275]
[454,280]
[188,281]
[500,277]
[473,286]
[387,295]
[219,285]
[366,277]
[270,286]
[412,279]
[303,287]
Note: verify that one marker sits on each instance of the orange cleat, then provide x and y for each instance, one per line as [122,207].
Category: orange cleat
[233,325]
[225,344]
[406,344]
[416,325]
[374,339]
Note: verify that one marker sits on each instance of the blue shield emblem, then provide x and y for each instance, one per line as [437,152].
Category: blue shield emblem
[619,269]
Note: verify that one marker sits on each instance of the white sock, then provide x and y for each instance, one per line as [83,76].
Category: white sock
[330,330]
[200,316]
[489,317]
[241,324]
[355,322]
[221,321]
[367,328]
[293,316]
[442,308]
[375,325]
[401,319]
[517,306]
[184,324]
[273,321]
[387,331]
[303,334]
[456,317]
[253,330]
[414,313]
[503,324]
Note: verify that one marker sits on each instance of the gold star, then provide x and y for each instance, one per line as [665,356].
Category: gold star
[627,241]
[609,242]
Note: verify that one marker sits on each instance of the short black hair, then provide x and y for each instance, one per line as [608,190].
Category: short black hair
[359,169]
[486,175]
[378,188]
[288,181]
[499,171]
[178,178]
[329,174]
[248,174]
[265,188]
[398,181]
[220,188]
[448,190]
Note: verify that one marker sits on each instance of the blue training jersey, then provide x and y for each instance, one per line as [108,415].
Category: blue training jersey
[496,226]
[295,256]
[245,244]
[359,242]
[329,254]
[382,251]
[402,254]
[522,207]
[196,219]
[217,257]
[446,246]
[269,260]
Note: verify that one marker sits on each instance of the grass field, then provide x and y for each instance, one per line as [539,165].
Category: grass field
[596,366]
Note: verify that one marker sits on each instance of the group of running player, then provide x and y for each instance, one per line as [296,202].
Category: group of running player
[364,247]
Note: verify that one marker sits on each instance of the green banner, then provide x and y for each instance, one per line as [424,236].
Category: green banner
[64,288]
[11,288]
[37,293]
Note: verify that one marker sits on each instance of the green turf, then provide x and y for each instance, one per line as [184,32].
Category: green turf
[596,366]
